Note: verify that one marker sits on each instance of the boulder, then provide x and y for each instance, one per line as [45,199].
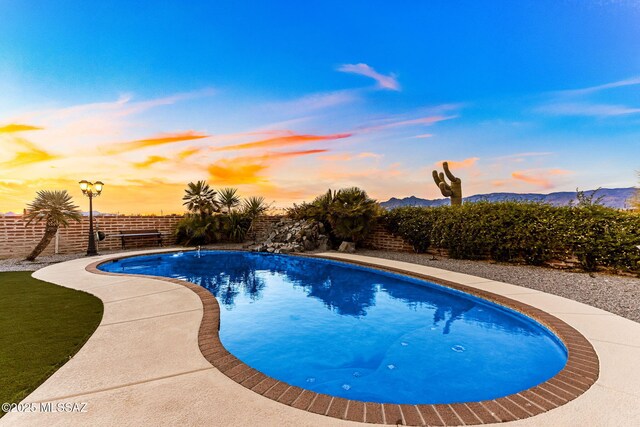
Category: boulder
[347,247]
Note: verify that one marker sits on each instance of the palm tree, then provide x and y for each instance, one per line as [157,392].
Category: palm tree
[200,198]
[56,208]
[253,207]
[229,198]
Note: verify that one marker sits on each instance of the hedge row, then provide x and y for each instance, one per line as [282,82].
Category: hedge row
[533,233]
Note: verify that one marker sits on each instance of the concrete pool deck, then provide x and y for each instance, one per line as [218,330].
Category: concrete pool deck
[143,365]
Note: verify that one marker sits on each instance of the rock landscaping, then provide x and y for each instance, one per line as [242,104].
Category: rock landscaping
[289,236]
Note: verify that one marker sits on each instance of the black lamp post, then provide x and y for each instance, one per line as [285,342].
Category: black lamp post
[91,190]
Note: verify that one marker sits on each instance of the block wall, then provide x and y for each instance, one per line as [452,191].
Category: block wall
[17,239]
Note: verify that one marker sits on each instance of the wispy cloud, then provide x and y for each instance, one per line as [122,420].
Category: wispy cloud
[188,152]
[283,141]
[521,156]
[16,127]
[391,123]
[579,102]
[588,90]
[161,139]
[315,101]
[125,105]
[345,157]
[384,82]
[459,164]
[151,160]
[587,109]
[539,178]
[27,153]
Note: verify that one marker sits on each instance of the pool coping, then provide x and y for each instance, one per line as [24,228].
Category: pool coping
[578,375]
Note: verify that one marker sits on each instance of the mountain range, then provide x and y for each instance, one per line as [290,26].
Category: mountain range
[613,197]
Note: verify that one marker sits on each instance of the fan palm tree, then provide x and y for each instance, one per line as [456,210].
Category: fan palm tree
[54,207]
[351,214]
[229,198]
[199,198]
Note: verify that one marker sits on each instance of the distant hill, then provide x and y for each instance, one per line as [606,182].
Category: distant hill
[612,197]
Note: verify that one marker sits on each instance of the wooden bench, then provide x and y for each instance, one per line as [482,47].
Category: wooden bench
[135,234]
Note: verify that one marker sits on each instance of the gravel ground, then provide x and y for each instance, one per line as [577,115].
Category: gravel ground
[617,294]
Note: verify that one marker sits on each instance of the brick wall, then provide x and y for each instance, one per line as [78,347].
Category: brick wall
[380,238]
[263,225]
[17,240]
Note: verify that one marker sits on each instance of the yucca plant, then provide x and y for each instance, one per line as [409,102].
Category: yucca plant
[253,207]
[54,207]
[229,198]
[200,199]
[237,226]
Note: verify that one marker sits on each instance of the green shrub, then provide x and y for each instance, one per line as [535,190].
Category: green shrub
[195,230]
[533,233]
[346,214]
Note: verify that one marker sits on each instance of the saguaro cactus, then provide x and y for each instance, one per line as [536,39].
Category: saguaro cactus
[453,190]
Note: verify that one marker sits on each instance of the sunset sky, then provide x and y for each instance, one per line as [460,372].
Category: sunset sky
[286,99]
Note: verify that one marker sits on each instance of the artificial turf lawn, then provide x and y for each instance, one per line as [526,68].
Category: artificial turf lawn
[41,326]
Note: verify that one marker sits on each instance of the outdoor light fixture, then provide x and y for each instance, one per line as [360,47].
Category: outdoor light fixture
[91,190]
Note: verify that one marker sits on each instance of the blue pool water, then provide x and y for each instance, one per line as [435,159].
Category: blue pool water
[360,333]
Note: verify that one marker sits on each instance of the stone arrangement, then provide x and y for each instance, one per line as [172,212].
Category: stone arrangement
[288,236]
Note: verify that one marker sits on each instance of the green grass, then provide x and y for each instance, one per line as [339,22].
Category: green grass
[41,326]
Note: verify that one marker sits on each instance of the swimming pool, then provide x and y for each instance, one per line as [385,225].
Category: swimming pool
[362,334]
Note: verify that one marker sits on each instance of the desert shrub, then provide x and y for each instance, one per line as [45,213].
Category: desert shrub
[236,225]
[346,214]
[533,233]
[196,230]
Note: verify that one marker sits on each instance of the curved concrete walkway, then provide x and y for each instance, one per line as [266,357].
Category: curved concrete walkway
[143,366]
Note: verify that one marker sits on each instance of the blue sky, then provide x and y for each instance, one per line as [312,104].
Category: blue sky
[288,98]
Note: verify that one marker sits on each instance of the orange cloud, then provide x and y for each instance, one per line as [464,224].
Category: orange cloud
[498,183]
[539,177]
[247,169]
[157,140]
[283,141]
[532,179]
[15,127]
[151,160]
[188,153]
[345,157]
[30,153]
[462,164]
[230,172]
[369,155]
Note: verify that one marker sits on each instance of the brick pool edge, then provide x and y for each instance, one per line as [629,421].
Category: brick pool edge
[579,374]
